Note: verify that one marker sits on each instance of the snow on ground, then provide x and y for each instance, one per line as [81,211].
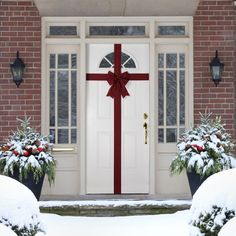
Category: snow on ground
[161,225]
[115,203]
[229,228]
[150,225]
[6,231]
[19,206]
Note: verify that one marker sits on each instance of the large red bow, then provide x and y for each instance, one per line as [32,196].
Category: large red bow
[118,84]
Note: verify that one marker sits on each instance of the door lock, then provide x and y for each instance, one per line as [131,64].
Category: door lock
[145,126]
[145,132]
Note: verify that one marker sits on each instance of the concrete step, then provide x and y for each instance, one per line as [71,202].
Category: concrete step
[115,207]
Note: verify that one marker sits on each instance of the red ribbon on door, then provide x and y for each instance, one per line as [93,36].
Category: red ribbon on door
[118,83]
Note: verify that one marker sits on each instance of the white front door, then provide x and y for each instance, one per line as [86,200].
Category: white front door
[100,121]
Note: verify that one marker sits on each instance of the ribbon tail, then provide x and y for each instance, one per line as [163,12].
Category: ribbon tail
[124,92]
[111,82]
[110,92]
[123,81]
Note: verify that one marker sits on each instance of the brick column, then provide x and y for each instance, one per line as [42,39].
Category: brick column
[20,29]
[214,29]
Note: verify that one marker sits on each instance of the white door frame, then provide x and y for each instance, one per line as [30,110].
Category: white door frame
[151,117]
[82,39]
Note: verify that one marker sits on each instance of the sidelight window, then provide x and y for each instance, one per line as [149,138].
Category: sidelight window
[171,96]
[63,98]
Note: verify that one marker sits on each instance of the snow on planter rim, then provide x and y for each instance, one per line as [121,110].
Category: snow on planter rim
[17,203]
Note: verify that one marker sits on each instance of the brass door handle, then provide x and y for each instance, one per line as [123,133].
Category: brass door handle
[145,132]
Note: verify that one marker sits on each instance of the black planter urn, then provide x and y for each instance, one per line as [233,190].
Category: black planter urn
[29,182]
[195,180]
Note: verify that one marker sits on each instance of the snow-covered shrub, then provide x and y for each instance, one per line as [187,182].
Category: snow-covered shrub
[19,209]
[229,228]
[204,149]
[210,223]
[27,151]
[214,204]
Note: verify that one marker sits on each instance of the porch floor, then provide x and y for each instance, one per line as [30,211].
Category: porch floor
[114,207]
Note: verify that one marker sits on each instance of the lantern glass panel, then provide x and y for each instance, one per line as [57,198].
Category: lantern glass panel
[17,72]
[216,72]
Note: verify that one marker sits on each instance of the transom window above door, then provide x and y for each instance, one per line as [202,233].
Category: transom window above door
[117,30]
[126,61]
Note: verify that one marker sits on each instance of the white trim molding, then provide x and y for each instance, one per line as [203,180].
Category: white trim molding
[75,167]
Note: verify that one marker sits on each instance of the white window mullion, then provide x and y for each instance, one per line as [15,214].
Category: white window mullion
[164,98]
[178,97]
[56,98]
[69,98]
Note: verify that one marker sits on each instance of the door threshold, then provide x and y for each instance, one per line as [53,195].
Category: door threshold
[113,197]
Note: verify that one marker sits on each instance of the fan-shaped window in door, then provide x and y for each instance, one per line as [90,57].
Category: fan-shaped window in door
[126,61]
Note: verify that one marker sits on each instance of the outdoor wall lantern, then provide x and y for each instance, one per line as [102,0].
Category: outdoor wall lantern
[17,70]
[216,68]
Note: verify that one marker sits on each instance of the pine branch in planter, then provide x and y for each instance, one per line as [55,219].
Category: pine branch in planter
[204,148]
[27,151]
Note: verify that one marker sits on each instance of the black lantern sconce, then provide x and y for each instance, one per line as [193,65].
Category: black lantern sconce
[216,68]
[17,70]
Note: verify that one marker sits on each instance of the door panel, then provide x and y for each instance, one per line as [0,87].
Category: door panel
[135,153]
[100,122]
[99,138]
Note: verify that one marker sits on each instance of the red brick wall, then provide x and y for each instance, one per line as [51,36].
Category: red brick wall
[20,29]
[214,29]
